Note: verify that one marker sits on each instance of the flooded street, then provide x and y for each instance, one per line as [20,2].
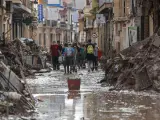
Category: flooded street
[92,102]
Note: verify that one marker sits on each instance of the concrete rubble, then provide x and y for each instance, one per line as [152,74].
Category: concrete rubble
[14,92]
[17,61]
[24,56]
[136,67]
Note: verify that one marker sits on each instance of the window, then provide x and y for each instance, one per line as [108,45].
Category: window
[16,25]
[1,2]
[58,37]
[4,28]
[40,43]
[44,39]
[124,7]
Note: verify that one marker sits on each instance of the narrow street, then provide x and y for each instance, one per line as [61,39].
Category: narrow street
[120,38]
[92,102]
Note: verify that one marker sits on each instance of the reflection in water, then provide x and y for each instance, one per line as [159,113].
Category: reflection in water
[52,104]
[102,106]
[74,94]
[116,106]
[57,107]
[92,102]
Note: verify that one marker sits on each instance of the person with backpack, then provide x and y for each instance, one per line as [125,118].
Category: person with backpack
[55,52]
[90,55]
[68,53]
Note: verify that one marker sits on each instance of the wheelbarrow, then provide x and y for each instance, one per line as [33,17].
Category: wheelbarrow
[74,84]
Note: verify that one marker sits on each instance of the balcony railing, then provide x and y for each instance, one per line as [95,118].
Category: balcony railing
[26,3]
[101,2]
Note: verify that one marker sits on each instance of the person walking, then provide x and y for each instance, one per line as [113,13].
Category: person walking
[54,50]
[59,53]
[74,58]
[68,53]
[95,61]
[90,55]
[78,56]
[82,56]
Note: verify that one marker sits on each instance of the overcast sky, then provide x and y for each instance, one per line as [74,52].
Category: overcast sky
[80,4]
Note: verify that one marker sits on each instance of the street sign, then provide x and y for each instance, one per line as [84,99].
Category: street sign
[40,12]
[94,35]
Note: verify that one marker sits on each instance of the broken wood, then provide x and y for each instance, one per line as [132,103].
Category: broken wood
[138,58]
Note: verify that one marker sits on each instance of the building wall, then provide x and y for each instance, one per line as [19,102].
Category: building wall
[122,9]
[5,22]
[151,25]
[45,37]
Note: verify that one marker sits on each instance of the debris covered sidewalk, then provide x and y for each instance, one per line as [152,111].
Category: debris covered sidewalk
[18,59]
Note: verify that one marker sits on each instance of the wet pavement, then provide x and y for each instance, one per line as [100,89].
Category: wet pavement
[92,102]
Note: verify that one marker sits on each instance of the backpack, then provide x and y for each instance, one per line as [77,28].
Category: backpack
[90,49]
[69,52]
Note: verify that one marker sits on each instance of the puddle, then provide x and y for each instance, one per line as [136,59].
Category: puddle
[92,102]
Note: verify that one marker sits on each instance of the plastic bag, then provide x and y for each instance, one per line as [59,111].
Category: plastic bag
[61,59]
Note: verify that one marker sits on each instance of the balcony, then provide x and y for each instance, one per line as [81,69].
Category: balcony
[22,5]
[105,4]
[102,2]
[50,23]
[86,11]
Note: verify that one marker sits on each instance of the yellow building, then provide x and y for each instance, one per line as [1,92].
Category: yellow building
[124,25]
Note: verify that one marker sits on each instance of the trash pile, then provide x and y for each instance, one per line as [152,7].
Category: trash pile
[19,56]
[15,95]
[136,67]
[17,60]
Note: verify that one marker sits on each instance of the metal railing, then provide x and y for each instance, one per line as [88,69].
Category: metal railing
[101,2]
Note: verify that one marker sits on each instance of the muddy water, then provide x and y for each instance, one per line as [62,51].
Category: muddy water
[92,102]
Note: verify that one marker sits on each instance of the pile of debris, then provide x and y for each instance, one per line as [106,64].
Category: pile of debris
[18,59]
[136,67]
[15,95]
[19,56]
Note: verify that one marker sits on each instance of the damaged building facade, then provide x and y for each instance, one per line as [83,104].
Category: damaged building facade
[126,22]
[136,41]
[16,19]
[134,20]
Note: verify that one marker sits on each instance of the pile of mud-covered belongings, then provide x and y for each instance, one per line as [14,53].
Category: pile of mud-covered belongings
[15,95]
[136,67]
[23,55]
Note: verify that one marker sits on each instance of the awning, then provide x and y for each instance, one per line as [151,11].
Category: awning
[15,1]
[22,8]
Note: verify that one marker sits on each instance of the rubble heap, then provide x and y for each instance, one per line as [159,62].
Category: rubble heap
[15,95]
[136,67]
[15,52]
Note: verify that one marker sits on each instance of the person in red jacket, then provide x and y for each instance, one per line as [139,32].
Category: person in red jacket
[55,53]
